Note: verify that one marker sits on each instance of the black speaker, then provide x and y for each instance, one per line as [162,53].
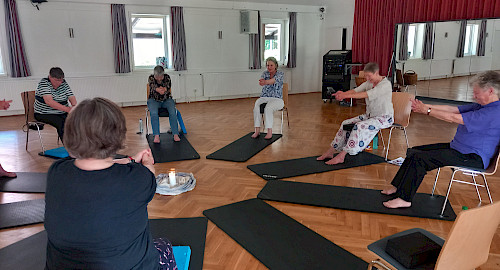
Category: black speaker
[344,38]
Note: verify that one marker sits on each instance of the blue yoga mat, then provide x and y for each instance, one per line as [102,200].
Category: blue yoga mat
[59,152]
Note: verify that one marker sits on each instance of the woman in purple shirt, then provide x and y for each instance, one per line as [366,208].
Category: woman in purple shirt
[475,142]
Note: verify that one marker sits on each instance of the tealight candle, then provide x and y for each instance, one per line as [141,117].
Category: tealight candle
[171,177]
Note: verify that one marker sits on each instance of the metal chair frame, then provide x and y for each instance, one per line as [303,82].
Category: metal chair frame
[28,98]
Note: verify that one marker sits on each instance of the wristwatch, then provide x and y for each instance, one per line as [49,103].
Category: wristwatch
[429,111]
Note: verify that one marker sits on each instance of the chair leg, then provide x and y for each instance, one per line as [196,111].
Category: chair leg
[282,113]
[40,137]
[435,181]
[487,188]
[477,190]
[388,143]
[287,119]
[448,192]
[382,138]
[147,122]
[406,137]
[27,135]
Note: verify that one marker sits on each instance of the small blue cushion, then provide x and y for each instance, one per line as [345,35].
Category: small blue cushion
[182,254]
[57,152]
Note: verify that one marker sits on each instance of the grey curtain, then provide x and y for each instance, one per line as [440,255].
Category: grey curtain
[403,42]
[292,41]
[255,52]
[178,39]
[428,50]
[120,38]
[481,44]
[18,62]
[461,39]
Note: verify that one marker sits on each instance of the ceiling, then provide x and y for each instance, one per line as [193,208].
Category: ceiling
[287,2]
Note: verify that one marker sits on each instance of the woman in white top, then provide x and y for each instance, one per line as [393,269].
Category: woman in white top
[377,92]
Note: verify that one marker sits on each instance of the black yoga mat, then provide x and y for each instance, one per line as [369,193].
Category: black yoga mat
[244,148]
[279,241]
[309,165]
[21,213]
[28,182]
[168,150]
[29,253]
[184,232]
[356,199]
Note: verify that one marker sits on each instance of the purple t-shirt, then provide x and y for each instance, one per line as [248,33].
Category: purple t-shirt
[480,132]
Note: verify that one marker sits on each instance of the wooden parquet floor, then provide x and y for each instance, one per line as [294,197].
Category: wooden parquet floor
[212,125]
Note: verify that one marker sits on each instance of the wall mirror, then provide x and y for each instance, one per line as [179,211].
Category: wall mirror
[445,55]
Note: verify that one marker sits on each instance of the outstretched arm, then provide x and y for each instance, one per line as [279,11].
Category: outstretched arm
[442,112]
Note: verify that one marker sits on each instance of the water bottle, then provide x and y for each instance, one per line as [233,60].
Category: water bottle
[375,142]
[140,126]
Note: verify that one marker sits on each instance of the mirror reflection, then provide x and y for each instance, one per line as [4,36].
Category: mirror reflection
[445,55]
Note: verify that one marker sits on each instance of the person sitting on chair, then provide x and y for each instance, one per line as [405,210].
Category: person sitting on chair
[51,100]
[96,214]
[160,96]
[475,143]
[4,105]
[271,81]
[377,92]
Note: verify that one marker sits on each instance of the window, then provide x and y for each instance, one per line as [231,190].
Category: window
[415,40]
[150,39]
[274,39]
[471,36]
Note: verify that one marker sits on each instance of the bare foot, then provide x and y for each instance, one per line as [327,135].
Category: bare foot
[4,173]
[269,134]
[157,139]
[327,155]
[389,191]
[337,159]
[177,138]
[397,203]
[255,134]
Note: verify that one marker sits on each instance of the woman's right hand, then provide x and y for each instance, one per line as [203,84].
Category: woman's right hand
[161,90]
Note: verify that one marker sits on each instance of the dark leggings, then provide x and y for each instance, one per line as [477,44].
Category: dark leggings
[167,260]
[421,159]
[55,120]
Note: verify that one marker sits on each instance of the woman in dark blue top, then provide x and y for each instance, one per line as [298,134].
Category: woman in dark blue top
[96,209]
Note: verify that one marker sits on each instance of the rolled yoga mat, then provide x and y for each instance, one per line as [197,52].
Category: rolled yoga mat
[277,240]
[22,213]
[355,199]
[244,148]
[309,165]
[29,253]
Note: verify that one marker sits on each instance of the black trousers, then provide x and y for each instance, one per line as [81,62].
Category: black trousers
[421,159]
[55,120]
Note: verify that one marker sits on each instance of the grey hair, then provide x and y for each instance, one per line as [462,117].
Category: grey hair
[487,79]
[159,70]
[371,67]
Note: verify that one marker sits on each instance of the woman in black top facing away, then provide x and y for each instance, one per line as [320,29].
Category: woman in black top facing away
[96,209]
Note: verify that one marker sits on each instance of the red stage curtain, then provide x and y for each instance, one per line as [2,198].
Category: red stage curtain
[374,22]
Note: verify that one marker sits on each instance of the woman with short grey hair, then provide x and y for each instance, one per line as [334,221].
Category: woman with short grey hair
[160,96]
[271,81]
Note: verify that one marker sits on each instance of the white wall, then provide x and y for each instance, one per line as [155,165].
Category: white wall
[87,59]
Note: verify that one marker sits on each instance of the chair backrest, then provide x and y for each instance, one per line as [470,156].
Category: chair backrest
[468,244]
[492,168]
[401,101]
[28,98]
[147,91]
[285,94]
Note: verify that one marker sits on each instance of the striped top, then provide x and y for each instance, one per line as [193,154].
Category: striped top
[61,94]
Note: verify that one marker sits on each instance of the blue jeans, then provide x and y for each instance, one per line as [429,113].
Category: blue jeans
[153,107]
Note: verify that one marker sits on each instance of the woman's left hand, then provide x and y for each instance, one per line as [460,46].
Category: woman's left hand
[340,95]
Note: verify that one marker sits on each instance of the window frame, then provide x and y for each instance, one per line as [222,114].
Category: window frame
[283,36]
[167,32]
